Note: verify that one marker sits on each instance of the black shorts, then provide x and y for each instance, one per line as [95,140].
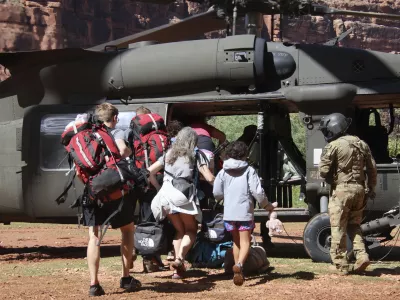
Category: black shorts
[95,215]
[205,142]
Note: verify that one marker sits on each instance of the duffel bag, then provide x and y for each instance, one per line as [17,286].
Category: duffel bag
[150,238]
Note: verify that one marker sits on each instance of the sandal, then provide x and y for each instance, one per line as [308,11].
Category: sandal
[238,278]
[179,268]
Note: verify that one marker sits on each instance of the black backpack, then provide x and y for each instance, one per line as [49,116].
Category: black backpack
[215,231]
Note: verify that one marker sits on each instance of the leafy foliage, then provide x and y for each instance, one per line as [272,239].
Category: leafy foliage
[233,127]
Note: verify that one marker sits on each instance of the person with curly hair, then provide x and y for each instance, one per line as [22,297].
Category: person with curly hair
[173,128]
[237,183]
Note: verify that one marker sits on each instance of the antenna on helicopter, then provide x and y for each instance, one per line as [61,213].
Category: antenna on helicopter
[234,17]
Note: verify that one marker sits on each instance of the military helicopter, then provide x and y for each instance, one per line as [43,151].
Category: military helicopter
[175,76]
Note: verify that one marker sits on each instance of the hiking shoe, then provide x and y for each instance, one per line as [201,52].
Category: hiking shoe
[130,284]
[96,290]
[361,264]
[152,265]
[238,278]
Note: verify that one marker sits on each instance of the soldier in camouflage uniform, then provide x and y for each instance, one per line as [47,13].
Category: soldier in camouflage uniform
[342,166]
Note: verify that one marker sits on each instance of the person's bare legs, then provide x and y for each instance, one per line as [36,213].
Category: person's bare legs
[93,254]
[245,237]
[127,232]
[180,231]
[242,241]
[236,245]
[134,256]
[190,225]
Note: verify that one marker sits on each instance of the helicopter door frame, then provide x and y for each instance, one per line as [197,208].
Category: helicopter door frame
[44,177]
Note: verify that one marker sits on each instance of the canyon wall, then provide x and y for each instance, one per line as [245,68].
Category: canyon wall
[41,24]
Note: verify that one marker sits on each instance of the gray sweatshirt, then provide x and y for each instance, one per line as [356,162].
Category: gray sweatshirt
[237,183]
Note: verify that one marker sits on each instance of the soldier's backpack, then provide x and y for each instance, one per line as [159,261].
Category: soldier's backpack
[148,138]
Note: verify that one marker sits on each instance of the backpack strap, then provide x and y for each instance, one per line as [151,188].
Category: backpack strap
[174,177]
[196,175]
[145,147]
[98,136]
[154,121]
[70,182]
[108,220]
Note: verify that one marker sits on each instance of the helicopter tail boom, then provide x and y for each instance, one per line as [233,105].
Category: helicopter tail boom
[18,62]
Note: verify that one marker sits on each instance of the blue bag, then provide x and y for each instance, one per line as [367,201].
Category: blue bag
[205,254]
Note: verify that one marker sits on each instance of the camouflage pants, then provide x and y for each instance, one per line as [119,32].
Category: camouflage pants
[346,207]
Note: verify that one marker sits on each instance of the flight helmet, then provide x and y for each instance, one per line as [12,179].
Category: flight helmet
[333,126]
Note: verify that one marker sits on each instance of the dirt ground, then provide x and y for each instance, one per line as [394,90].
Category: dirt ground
[42,261]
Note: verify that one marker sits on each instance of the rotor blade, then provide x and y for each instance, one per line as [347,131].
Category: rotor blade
[324,10]
[184,30]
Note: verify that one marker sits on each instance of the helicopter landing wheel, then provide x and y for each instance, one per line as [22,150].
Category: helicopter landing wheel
[317,239]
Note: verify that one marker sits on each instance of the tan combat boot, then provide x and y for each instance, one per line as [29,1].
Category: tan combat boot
[343,269]
[361,264]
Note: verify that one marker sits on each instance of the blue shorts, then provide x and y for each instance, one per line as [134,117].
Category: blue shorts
[239,225]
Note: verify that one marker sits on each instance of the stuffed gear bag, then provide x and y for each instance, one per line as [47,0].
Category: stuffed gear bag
[148,138]
[97,161]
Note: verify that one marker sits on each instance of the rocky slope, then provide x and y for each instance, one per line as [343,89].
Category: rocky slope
[368,33]
[41,24]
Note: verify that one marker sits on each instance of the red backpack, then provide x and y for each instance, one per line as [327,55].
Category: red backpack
[106,175]
[98,162]
[150,139]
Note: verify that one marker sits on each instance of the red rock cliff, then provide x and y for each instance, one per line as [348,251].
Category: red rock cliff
[41,24]
[368,33]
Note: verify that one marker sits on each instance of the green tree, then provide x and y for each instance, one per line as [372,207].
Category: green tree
[233,127]
[298,133]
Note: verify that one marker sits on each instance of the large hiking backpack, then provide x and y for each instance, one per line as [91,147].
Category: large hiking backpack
[206,254]
[149,139]
[97,160]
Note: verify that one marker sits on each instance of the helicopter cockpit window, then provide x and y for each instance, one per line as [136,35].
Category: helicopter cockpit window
[52,152]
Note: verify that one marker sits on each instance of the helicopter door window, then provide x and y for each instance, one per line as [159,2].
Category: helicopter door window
[52,152]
